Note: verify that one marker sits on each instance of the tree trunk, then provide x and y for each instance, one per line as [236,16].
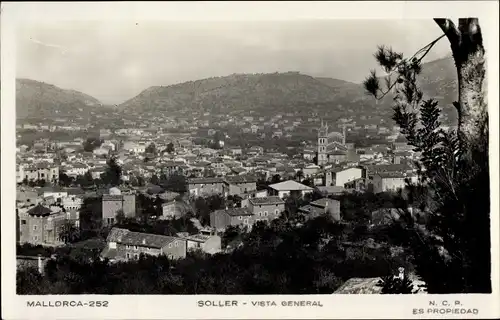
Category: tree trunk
[469,55]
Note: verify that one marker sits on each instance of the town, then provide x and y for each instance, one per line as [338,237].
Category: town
[132,175]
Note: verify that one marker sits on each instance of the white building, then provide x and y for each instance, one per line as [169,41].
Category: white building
[340,176]
[290,187]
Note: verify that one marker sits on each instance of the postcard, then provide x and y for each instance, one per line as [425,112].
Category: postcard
[241,160]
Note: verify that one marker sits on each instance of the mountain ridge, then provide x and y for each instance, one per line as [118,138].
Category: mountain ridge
[41,99]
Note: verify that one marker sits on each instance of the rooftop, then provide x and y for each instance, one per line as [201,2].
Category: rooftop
[240,179]
[290,185]
[39,210]
[125,236]
[266,201]
[205,180]
[235,212]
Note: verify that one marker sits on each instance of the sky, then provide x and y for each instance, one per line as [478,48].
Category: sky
[114,61]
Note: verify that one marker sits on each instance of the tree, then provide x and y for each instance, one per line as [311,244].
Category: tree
[69,232]
[41,183]
[64,179]
[154,179]
[299,175]
[86,180]
[400,284]
[151,148]
[452,249]
[170,147]
[175,182]
[276,178]
[91,143]
[112,175]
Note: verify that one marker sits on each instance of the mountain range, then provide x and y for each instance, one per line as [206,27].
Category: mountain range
[259,93]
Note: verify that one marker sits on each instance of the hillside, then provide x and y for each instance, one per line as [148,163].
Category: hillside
[284,92]
[40,100]
[242,92]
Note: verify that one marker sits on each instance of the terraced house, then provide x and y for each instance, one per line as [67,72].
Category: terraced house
[267,208]
[221,219]
[205,186]
[237,185]
[125,245]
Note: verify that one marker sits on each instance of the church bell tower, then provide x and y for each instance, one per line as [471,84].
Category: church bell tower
[322,143]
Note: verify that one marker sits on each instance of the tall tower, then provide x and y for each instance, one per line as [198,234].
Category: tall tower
[343,135]
[322,143]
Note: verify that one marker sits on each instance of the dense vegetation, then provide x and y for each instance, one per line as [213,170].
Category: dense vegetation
[289,256]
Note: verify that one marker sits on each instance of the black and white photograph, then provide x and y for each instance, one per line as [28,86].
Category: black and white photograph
[245,157]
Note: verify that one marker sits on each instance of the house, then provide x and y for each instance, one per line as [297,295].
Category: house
[56,192]
[310,170]
[340,176]
[40,171]
[267,208]
[26,196]
[221,219]
[287,188]
[237,185]
[125,245]
[388,181]
[205,186]
[72,203]
[174,209]
[236,151]
[210,244]
[330,190]
[322,206]
[115,202]
[41,225]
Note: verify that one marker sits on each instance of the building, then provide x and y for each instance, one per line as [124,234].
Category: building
[41,225]
[205,186]
[71,203]
[207,243]
[267,208]
[174,209]
[388,181]
[287,188]
[322,206]
[341,176]
[46,171]
[221,219]
[125,245]
[116,202]
[237,185]
[331,146]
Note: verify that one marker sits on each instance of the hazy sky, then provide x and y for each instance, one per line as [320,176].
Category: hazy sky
[114,61]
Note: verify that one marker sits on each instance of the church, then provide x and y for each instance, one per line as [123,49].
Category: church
[331,146]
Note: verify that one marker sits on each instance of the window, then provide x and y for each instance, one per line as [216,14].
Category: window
[149,249]
[34,228]
[35,238]
[245,221]
[265,213]
[128,246]
[176,243]
[136,256]
[128,255]
[240,218]
[135,247]
[276,211]
[23,221]
[170,245]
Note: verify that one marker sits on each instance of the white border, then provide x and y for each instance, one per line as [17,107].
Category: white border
[178,307]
